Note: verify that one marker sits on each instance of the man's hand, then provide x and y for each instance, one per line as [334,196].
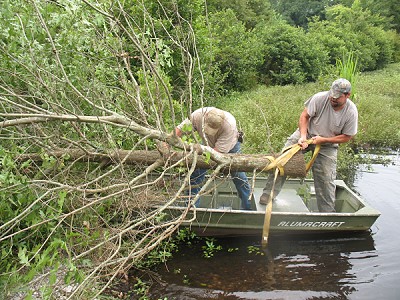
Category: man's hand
[316,140]
[303,142]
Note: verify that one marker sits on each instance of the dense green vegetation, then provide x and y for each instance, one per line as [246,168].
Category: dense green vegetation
[269,114]
[238,44]
[272,51]
[101,76]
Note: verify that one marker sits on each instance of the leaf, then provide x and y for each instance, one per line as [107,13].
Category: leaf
[61,199]
[23,258]
[207,157]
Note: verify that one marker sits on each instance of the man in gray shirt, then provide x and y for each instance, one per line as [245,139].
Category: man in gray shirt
[329,118]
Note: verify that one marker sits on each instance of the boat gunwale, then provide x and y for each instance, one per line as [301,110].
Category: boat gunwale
[255,212]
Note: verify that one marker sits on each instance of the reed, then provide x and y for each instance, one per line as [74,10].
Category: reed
[347,67]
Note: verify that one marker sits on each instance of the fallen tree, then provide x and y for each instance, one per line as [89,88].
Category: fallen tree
[295,167]
[85,101]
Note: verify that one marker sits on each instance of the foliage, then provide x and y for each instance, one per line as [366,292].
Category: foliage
[387,8]
[347,68]
[101,76]
[250,12]
[379,93]
[298,12]
[268,115]
[234,63]
[256,250]
[174,25]
[163,252]
[290,55]
[68,58]
[210,248]
[354,29]
[33,242]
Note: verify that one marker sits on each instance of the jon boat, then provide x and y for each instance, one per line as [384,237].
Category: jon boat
[294,211]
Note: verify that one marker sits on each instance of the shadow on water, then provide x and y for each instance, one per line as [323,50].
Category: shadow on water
[290,268]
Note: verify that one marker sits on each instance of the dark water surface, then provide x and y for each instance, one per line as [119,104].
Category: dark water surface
[361,266]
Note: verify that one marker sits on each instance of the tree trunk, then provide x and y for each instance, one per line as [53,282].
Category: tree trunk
[295,167]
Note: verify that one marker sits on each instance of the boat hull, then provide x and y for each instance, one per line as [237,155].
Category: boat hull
[230,223]
[294,212]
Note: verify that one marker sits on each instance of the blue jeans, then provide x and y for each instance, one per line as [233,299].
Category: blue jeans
[239,179]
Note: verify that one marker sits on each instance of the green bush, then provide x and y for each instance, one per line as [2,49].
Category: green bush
[354,29]
[290,55]
[232,61]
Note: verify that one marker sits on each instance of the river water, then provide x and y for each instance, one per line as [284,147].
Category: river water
[361,266]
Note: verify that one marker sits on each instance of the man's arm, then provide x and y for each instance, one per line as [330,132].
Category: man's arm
[338,139]
[303,127]
[179,129]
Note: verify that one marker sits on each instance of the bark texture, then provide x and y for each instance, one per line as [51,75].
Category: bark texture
[295,167]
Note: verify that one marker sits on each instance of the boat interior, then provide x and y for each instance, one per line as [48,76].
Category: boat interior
[295,196]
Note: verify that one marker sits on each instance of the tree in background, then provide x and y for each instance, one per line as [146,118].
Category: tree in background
[236,62]
[290,54]
[298,13]
[358,30]
[230,52]
[250,12]
[385,8]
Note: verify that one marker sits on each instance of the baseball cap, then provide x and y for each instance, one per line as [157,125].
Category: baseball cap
[339,87]
[213,121]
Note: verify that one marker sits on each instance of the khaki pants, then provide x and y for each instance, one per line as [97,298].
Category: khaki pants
[324,174]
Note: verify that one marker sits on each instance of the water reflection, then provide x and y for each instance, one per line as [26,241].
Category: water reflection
[309,268]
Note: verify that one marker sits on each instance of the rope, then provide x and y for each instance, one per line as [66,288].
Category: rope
[286,154]
[268,211]
[278,163]
[314,156]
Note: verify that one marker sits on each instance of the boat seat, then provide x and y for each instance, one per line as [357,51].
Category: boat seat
[287,201]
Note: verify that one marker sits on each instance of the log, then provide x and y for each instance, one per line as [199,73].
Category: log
[295,167]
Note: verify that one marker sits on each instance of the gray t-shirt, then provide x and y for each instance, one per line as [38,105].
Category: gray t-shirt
[326,122]
[226,137]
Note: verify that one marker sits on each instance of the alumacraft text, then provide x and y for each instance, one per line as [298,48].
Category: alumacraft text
[310,224]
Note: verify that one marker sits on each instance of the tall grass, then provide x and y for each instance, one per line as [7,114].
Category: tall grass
[268,115]
[347,68]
